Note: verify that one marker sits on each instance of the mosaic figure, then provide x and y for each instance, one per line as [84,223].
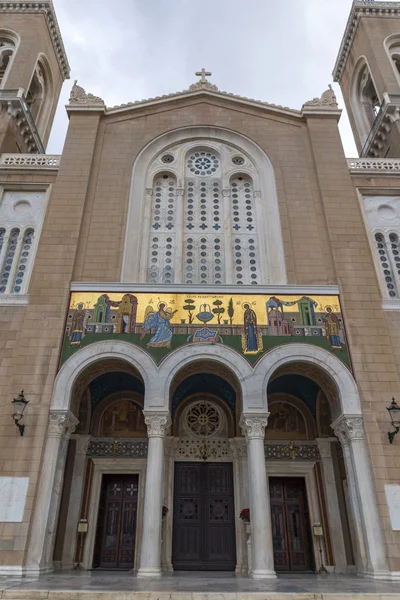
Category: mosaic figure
[77,325]
[332,325]
[250,342]
[160,322]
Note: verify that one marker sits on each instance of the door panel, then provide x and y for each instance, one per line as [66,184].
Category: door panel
[204,524]
[117,522]
[290,524]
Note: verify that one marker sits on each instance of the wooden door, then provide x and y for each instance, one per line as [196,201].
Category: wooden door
[204,519]
[290,524]
[116,532]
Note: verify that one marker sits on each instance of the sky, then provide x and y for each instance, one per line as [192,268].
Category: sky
[281,52]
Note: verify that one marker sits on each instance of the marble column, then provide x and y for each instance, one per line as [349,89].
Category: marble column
[227,229]
[42,538]
[332,505]
[75,501]
[150,554]
[358,467]
[262,560]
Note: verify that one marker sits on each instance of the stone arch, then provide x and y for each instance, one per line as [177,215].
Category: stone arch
[41,86]
[392,47]
[96,352]
[328,363]
[239,368]
[272,255]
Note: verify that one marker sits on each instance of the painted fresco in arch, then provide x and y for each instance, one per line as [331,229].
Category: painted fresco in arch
[250,324]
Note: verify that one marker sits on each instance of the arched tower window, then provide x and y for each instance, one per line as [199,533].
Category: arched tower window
[364,99]
[7,48]
[203,210]
[39,96]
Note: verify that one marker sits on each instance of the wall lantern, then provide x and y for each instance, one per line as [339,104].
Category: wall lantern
[394,412]
[19,405]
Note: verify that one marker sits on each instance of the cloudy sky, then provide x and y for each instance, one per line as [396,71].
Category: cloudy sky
[281,52]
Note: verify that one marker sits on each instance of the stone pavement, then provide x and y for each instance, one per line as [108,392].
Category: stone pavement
[117,585]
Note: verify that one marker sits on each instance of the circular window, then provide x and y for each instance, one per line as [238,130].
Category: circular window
[167,159]
[203,418]
[238,160]
[203,163]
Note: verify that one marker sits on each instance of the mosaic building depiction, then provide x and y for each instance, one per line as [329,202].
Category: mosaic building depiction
[199,377]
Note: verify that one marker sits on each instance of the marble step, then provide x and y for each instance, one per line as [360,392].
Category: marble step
[28,594]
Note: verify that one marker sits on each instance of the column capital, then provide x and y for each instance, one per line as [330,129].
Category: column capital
[226,192]
[157,423]
[149,191]
[62,424]
[180,191]
[349,428]
[253,426]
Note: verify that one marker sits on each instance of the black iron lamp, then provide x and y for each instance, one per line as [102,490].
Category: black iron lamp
[394,412]
[19,405]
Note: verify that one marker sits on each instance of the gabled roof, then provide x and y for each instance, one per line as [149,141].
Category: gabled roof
[361,8]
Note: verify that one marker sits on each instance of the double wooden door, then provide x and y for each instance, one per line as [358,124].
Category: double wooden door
[204,519]
[290,524]
[116,529]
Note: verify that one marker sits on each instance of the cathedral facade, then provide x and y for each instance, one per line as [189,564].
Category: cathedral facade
[200,320]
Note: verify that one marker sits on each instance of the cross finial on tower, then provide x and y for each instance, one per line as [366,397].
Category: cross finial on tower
[203,74]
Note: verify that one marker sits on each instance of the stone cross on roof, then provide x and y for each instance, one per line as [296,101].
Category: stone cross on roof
[203,84]
[203,74]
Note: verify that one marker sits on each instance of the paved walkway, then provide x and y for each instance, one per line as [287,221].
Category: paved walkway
[196,586]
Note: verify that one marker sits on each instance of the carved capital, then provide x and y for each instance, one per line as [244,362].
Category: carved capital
[149,191]
[253,427]
[62,424]
[157,423]
[257,193]
[348,429]
[226,192]
[180,191]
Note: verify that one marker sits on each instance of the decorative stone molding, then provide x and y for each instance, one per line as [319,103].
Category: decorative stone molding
[129,448]
[366,166]
[327,100]
[348,429]
[46,8]
[79,96]
[203,85]
[157,424]
[361,8]
[378,139]
[193,449]
[281,451]
[253,427]
[62,424]
[31,161]
[180,191]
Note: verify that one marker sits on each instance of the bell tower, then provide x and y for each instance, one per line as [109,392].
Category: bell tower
[368,71]
[33,66]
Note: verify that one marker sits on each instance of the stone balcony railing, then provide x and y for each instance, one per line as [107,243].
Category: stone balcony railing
[383,166]
[30,161]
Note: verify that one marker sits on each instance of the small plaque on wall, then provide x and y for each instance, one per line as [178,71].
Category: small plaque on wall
[393,499]
[13,492]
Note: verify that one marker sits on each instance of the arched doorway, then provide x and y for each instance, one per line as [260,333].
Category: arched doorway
[103,482]
[201,474]
[307,480]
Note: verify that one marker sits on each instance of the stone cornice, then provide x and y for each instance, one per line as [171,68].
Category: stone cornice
[197,92]
[47,9]
[361,8]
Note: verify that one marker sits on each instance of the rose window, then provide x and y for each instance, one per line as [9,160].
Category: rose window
[203,163]
[203,419]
